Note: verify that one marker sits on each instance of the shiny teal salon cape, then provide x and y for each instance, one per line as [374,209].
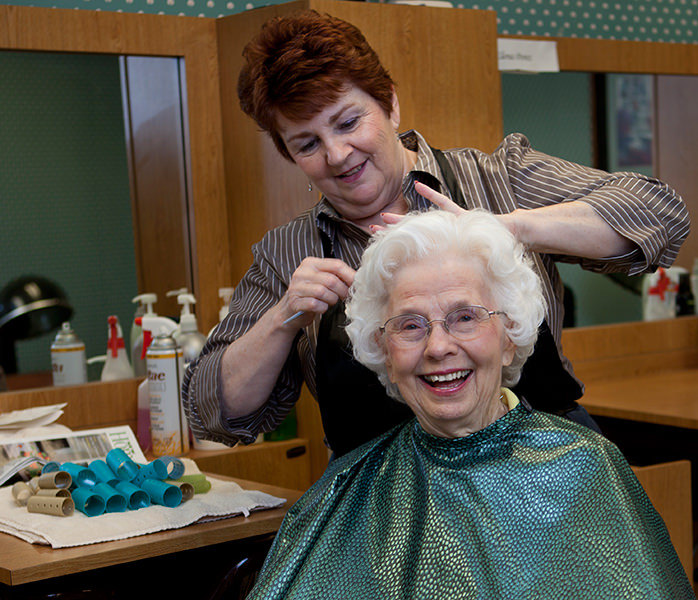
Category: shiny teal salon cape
[532,507]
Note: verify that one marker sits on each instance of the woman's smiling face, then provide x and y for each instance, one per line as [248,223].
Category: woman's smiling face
[452,386]
[351,153]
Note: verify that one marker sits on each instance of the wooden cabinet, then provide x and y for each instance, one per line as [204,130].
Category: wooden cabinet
[286,463]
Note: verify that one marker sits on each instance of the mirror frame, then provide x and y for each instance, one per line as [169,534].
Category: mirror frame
[191,38]
[622,56]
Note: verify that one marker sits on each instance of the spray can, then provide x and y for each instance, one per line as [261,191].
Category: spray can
[68,363]
[165,366]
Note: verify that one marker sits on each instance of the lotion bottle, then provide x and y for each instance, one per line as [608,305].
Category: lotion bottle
[226,294]
[116,365]
[187,335]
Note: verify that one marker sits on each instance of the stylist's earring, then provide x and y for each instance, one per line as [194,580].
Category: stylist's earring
[310,185]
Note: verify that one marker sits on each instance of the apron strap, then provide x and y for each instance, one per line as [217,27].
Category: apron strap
[353,404]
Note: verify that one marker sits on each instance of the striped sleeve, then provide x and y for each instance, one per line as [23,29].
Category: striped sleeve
[642,209]
[275,259]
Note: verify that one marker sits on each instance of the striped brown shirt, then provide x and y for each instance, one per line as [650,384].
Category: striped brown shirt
[640,208]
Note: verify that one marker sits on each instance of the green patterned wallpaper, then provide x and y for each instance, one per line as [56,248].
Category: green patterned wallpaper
[645,20]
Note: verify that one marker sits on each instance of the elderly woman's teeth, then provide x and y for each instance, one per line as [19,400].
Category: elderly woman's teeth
[446,377]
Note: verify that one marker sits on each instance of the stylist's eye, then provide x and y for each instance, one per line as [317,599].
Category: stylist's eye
[349,123]
[308,146]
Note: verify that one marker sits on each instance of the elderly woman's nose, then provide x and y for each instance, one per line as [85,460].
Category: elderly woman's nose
[439,341]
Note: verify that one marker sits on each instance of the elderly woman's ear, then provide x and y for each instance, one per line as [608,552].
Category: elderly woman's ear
[508,351]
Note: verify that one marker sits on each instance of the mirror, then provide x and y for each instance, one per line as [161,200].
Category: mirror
[26,30]
[574,101]
[80,162]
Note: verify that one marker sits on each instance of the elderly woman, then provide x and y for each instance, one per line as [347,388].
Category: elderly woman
[479,496]
[315,85]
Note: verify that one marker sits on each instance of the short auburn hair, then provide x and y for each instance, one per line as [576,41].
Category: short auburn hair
[299,64]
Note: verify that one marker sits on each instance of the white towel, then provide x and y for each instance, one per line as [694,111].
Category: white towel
[224,499]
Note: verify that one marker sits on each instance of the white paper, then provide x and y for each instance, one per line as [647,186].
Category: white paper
[31,417]
[79,447]
[527,56]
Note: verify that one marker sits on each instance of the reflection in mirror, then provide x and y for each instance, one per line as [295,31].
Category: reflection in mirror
[71,181]
[579,116]
[65,190]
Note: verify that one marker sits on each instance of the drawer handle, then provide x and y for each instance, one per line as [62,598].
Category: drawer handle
[295,452]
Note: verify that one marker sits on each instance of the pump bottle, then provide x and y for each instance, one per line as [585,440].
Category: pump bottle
[145,307]
[116,365]
[188,336]
[225,294]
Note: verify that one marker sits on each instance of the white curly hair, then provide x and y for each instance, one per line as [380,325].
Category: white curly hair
[513,283]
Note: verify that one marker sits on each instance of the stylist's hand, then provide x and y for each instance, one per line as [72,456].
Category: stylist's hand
[316,284]
[436,198]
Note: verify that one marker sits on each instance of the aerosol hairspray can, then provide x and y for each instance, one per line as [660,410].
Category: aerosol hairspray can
[68,363]
[165,367]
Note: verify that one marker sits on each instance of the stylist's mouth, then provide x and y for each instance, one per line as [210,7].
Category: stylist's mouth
[446,380]
[352,173]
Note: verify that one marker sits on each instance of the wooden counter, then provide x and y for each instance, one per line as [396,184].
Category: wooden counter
[663,398]
[21,562]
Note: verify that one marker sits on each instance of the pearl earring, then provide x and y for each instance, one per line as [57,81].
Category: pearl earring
[310,185]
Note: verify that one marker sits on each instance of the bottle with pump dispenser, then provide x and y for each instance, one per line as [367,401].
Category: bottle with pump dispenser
[116,365]
[68,363]
[187,335]
[225,294]
[165,363]
[145,307]
[143,414]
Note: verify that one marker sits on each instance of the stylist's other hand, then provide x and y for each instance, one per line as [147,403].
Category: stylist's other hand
[316,284]
[436,198]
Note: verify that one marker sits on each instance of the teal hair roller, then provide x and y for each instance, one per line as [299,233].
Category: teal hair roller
[135,496]
[122,464]
[162,493]
[103,472]
[86,501]
[113,500]
[82,476]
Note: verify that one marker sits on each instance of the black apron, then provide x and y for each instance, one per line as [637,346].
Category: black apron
[353,403]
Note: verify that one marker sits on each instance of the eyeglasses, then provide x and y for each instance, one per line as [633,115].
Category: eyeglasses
[462,323]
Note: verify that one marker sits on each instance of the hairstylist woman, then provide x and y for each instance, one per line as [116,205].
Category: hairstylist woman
[318,89]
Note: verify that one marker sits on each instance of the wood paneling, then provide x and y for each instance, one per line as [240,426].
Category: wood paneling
[89,406]
[285,463]
[627,349]
[668,486]
[622,56]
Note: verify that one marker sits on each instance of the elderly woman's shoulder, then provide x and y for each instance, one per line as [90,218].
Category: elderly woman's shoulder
[579,444]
